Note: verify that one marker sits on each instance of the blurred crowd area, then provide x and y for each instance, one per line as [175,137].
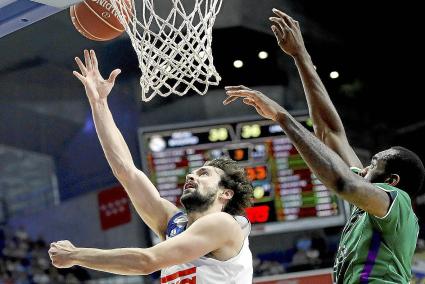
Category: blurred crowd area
[316,253]
[418,266]
[26,261]
[308,253]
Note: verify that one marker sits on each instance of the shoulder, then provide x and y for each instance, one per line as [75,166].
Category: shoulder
[219,222]
[219,218]
[226,232]
[400,214]
[395,192]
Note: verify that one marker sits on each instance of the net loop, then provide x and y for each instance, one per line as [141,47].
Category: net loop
[174,51]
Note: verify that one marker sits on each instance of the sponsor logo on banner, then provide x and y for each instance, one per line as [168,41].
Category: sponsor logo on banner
[114,209]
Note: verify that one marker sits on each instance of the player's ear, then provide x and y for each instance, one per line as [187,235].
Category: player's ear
[393,180]
[227,194]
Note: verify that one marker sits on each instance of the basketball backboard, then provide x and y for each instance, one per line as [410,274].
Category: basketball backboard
[17,14]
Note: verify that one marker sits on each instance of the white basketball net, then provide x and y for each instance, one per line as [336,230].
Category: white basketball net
[174,51]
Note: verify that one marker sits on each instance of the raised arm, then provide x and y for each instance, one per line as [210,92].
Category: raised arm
[154,210]
[329,168]
[216,233]
[327,124]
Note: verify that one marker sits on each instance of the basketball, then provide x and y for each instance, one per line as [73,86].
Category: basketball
[97,20]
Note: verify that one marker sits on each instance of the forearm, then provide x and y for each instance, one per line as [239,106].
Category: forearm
[329,168]
[321,108]
[111,139]
[124,261]
[153,209]
[327,124]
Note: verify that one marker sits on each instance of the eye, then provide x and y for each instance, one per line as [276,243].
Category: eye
[204,173]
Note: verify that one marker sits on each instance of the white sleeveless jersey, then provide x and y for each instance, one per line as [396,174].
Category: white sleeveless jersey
[206,270]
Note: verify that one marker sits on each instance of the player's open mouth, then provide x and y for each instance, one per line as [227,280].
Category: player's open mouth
[189,185]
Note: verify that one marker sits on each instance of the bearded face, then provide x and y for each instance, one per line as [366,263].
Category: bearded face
[194,201]
[201,189]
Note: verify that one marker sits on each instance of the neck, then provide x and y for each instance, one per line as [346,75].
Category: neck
[195,215]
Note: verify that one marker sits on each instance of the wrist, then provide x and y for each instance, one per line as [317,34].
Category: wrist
[102,102]
[75,256]
[281,116]
[302,56]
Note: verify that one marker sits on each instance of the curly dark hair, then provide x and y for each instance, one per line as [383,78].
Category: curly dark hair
[235,179]
[409,167]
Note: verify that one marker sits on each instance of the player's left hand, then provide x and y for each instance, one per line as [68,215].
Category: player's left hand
[60,253]
[265,106]
[288,33]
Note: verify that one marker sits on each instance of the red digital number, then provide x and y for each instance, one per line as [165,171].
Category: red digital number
[256,173]
[239,154]
[258,214]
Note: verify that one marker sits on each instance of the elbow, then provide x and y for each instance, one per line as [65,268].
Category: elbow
[119,173]
[146,263]
[344,186]
[139,263]
[140,271]
[123,172]
[322,133]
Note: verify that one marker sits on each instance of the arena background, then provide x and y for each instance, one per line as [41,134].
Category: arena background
[52,167]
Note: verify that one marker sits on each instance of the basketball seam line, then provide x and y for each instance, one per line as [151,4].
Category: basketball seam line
[84,29]
[101,18]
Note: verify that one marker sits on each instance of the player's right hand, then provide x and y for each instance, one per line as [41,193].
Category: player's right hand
[60,254]
[265,106]
[97,88]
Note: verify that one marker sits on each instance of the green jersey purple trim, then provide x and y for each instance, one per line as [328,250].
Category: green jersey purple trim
[371,257]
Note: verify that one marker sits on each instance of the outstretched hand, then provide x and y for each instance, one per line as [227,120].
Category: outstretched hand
[288,33]
[265,106]
[60,254]
[96,87]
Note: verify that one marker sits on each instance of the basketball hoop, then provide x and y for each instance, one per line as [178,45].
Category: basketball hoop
[174,51]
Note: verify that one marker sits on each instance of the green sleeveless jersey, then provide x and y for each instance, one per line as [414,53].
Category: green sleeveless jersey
[378,250]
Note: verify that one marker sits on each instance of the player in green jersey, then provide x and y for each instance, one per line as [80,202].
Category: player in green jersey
[378,241]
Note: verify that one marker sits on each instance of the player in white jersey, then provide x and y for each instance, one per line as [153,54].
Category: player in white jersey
[208,243]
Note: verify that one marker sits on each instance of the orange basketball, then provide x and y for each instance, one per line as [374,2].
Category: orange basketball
[97,20]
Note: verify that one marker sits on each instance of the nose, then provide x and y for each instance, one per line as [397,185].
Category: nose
[189,177]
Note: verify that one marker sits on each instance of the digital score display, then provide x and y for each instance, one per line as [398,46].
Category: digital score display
[287,196]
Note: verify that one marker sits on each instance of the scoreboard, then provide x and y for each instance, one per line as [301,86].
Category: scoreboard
[287,196]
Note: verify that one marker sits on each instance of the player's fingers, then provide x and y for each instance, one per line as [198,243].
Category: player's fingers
[240,87]
[53,251]
[249,101]
[280,35]
[281,24]
[83,80]
[287,19]
[87,59]
[94,59]
[239,93]
[229,100]
[81,66]
[114,75]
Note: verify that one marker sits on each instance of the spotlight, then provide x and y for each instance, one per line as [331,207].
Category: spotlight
[263,55]
[238,63]
[334,74]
